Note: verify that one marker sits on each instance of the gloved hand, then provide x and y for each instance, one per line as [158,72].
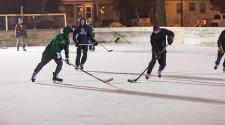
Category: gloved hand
[170,40]
[157,54]
[58,55]
[76,44]
[220,48]
[67,60]
[95,43]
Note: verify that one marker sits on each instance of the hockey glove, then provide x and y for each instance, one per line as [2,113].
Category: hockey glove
[156,55]
[220,48]
[58,55]
[170,40]
[76,44]
[67,60]
[95,43]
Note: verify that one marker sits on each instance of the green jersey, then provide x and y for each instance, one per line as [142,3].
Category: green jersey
[59,43]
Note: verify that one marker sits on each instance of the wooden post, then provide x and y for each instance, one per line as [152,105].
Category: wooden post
[181,14]
[65,20]
[6,23]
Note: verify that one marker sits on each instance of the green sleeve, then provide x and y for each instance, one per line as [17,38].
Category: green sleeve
[67,48]
[54,45]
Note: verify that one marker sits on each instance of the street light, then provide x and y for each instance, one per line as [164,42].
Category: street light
[21,9]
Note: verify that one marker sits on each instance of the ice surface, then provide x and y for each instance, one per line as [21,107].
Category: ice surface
[190,91]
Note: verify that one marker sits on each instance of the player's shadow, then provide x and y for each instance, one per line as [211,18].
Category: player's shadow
[136,93]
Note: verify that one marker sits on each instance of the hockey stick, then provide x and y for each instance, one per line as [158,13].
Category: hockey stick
[118,38]
[85,44]
[104,81]
[105,48]
[135,80]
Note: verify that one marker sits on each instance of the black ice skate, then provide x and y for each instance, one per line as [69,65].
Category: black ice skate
[147,76]
[33,78]
[81,66]
[159,73]
[216,66]
[56,78]
[77,67]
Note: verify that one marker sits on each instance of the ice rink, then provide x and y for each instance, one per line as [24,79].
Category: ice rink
[190,91]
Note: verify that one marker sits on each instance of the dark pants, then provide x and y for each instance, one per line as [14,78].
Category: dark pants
[21,39]
[219,57]
[46,57]
[80,49]
[161,61]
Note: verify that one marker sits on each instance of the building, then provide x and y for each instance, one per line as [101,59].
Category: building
[97,12]
[193,10]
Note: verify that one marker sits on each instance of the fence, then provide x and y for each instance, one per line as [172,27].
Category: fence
[34,21]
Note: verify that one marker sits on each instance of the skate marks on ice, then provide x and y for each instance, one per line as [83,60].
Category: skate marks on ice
[138,93]
[62,84]
[199,80]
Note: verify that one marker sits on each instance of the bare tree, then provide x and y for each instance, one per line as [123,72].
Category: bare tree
[219,4]
[36,6]
[130,9]
[160,17]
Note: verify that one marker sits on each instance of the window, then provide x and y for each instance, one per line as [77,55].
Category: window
[102,10]
[88,12]
[191,6]
[202,7]
[178,5]
[79,11]
[217,16]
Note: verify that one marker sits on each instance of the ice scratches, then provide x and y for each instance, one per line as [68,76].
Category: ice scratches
[137,93]
[165,76]
[193,77]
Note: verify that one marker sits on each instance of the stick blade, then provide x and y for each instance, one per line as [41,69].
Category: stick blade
[118,38]
[108,80]
[131,80]
[110,50]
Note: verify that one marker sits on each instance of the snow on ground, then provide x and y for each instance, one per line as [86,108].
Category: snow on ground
[189,93]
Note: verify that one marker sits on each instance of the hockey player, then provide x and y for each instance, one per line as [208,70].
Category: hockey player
[158,42]
[53,51]
[221,48]
[20,34]
[82,37]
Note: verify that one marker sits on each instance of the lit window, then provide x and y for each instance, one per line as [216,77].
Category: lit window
[102,10]
[80,11]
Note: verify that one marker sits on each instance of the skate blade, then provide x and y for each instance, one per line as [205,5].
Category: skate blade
[57,82]
[131,81]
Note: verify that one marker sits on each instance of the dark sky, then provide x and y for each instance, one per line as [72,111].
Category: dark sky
[30,6]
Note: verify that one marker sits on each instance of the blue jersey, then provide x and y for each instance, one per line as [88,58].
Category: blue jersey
[83,34]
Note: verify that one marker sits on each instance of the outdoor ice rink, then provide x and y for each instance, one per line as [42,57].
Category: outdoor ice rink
[190,91]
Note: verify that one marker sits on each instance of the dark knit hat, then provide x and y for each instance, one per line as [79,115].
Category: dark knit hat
[156,27]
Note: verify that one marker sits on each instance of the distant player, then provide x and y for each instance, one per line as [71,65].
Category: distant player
[82,37]
[158,42]
[21,34]
[221,48]
[53,51]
